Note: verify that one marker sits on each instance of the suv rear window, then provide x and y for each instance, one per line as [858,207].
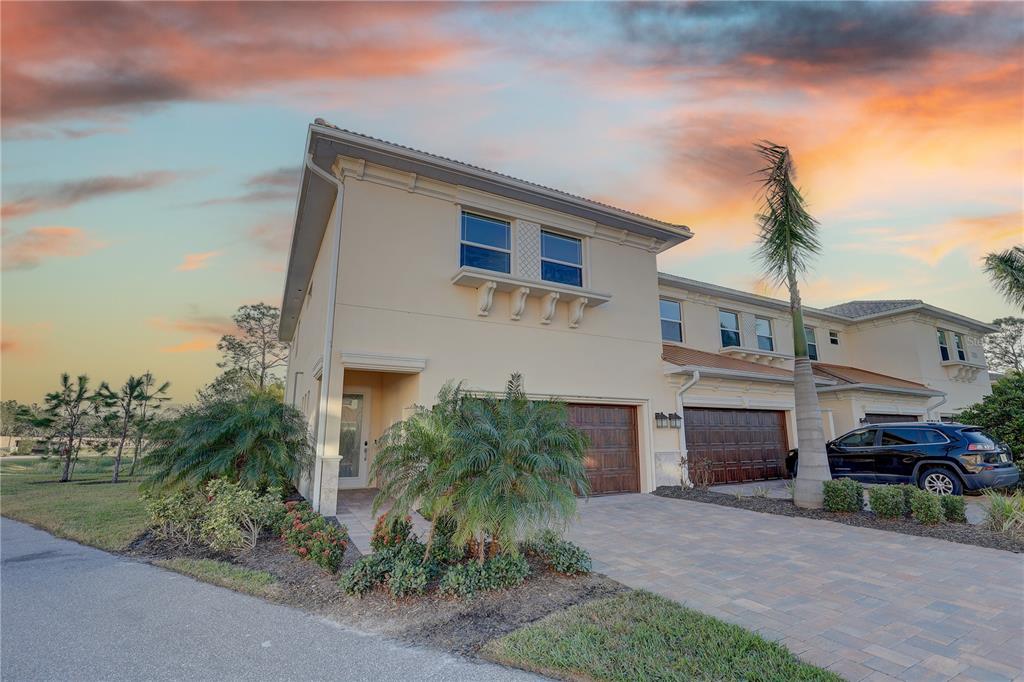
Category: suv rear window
[912,437]
[979,437]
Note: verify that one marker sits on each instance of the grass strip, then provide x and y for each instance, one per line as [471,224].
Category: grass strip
[256,583]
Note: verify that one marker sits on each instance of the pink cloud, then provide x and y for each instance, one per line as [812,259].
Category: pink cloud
[212,325]
[64,194]
[196,261]
[28,249]
[196,345]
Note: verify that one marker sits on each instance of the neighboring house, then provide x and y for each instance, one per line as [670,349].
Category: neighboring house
[407,270]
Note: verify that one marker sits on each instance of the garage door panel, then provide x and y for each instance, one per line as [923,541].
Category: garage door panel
[739,445]
[612,459]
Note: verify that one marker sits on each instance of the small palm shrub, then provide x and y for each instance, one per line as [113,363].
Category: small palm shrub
[499,572]
[843,495]
[559,554]
[954,509]
[310,536]
[257,441]
[926,507]
[1006,512]
[887,501]
[235,517]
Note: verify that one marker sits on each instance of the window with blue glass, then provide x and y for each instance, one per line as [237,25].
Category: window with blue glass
[561,259]
[486,243]
[729,325]
[763,328]
[671,320]
[812,343]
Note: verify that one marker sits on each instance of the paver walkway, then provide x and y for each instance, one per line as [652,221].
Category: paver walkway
[865,603]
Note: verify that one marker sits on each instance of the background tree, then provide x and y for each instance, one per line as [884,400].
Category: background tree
[65,409]
[788,241]
[1001,413]
[151,399]
[1006,270]
[125,403]
[1004,349]
[256,352]
[17,419]
[231,384]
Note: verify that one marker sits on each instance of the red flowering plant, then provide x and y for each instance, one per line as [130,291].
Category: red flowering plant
[310,536]
[389,532]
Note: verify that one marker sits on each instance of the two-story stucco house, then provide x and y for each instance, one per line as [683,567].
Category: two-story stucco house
[407,270]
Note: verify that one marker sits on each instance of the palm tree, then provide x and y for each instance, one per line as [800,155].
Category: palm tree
[788,241]
[258,441]
[1006,270]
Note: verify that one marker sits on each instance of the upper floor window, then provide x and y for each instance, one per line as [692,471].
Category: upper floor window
[812,343]
[763,328]
[943,345]
[833,337]
[958,341]
[561,259]
[729,324]
[486,243]
[671,320]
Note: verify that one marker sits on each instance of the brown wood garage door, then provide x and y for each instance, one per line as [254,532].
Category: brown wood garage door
[736,445]
[613,457]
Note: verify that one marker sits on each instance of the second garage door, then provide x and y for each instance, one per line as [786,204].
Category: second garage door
[733,446]
[613,457]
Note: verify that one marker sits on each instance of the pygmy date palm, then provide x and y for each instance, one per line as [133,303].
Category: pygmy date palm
[1006,270]
[788,241]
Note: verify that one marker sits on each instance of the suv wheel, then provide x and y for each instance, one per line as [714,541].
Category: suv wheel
[940,482]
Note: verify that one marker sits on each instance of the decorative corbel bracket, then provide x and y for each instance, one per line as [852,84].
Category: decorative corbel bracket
[547,307]
[485,298]
[518,300]
[576,311]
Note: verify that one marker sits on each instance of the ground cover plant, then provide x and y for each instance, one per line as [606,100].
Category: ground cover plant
[312,537]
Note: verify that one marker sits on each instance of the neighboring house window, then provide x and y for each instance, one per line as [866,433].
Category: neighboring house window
[958,341]
[486,243]
[943,345]
[671,321]
[561,259]
[729,324]
[812,344]
[763,328]
[833,337]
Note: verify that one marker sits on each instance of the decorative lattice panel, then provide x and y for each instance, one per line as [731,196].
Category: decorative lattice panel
[527,249]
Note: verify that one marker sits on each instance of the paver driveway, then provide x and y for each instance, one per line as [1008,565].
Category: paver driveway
[868,604]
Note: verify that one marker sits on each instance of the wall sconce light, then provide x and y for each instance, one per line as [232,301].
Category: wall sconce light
[660,420]
[675,421]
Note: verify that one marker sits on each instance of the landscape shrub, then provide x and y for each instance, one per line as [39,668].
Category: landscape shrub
[388,532]
[25,446]
[502,571]
[908,495]
[559,554]
[410,576]
[926,507]
[843,495]
[234,517]
[1006,512]
[178,516]
[887,501]
[310,536]
[368,572]
[954,508]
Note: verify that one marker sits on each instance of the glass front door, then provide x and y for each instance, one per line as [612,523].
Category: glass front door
[354,444]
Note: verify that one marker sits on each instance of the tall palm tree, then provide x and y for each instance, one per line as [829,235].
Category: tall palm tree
[125,404]
[1006,270]
[788,241]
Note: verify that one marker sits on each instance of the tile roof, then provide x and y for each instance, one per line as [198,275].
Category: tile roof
[327,124]
[855,375]
[856,309]
[684,357]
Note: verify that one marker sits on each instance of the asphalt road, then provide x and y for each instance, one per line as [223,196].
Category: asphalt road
[70,612]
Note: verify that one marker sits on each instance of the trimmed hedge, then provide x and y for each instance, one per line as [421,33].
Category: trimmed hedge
[887,501]
[954,508]
[502,571]
[926,507]
[843,495]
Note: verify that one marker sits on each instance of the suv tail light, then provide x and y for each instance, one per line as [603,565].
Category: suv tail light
[981,446]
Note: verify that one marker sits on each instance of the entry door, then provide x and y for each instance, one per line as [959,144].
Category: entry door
[355,435]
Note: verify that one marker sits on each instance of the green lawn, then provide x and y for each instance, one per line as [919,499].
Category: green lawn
[88,509]
[257,583]
[641,636]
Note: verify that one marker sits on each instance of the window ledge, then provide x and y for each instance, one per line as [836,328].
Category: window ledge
[474,277]
[756,355]
[962,371]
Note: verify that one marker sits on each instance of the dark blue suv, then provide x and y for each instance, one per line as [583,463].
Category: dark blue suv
[939,457]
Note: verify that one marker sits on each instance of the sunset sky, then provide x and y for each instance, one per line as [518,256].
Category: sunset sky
[151,151]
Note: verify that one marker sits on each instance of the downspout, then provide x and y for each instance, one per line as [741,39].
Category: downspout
[328,350]
[683,454]
[929,410]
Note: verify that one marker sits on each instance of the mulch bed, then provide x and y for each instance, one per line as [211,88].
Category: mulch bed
[461,626]
[963,533]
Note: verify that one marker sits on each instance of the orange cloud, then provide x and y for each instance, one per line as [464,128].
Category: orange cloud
[196,261]
[195,345]
[24,341]
[28,249]
[215,326]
